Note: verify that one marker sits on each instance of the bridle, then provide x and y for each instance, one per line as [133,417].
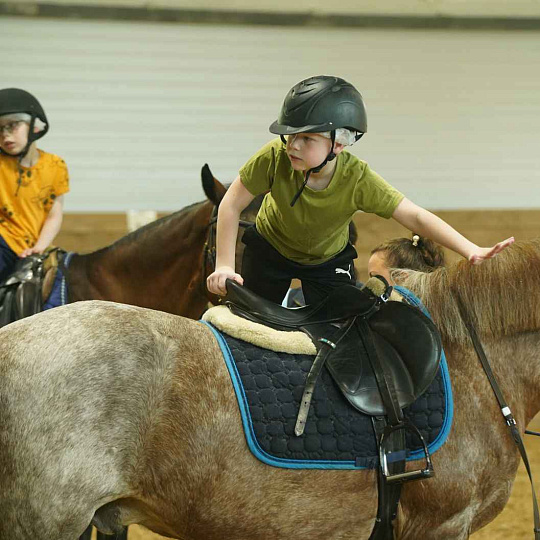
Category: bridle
[505,409]
[209,250]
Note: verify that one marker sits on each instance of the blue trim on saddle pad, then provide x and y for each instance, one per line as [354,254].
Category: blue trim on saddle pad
[58,296]
[348,447]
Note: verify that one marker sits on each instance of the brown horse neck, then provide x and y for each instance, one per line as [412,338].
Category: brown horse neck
[159,266]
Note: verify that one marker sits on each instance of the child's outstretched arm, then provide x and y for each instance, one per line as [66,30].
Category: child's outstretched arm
[234,202]
[424,223]
[50,228]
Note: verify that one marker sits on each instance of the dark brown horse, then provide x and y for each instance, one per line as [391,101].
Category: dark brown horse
[122,415]
[161,266]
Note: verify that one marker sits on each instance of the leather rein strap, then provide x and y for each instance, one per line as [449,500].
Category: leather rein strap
[505,410]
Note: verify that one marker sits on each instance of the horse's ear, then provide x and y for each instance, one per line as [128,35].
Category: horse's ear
[213,188]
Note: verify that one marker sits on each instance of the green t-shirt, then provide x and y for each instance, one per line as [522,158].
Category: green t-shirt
[316,228]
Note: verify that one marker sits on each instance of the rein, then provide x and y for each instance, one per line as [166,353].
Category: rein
[505,409]
[209,251]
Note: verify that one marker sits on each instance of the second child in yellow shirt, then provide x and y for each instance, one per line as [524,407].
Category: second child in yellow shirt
[32,182]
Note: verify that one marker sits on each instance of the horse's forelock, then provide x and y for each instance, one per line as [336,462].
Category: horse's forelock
[502,294]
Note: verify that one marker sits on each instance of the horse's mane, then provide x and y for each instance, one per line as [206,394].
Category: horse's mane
[148,231]
[501,294]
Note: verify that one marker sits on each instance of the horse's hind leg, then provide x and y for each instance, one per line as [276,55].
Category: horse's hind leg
[87,535]
[119,536]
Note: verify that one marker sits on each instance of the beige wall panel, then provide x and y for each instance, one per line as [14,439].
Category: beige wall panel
[136,109]
[461,8]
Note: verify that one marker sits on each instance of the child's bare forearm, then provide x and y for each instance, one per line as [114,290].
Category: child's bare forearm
[227,232]
[433,227]
[424,223]
[51,227]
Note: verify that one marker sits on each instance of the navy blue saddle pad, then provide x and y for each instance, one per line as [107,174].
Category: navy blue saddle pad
[269,388]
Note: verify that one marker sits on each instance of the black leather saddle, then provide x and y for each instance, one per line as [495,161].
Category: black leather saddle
[404,338]
[343,302]
[21,292]
[382,354]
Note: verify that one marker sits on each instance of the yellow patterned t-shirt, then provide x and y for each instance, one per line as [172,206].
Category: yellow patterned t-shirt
[27,195]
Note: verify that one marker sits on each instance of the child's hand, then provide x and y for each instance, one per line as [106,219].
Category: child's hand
[215,282]
[30,251]
[487,253]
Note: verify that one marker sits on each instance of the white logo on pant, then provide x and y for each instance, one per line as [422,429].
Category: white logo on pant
[341,271]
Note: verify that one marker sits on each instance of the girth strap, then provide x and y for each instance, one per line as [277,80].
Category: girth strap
[389,494]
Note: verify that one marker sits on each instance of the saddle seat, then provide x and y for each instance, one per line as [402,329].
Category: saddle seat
[405,339]
[343,303]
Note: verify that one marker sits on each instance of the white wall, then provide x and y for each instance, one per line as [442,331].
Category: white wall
[137,108]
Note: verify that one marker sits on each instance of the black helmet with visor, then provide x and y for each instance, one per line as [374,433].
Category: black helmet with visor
[320,104]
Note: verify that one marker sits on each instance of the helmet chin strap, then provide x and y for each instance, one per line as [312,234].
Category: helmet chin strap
[331,156]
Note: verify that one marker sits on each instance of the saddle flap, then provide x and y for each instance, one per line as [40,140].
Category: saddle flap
[414,337]
[405,340]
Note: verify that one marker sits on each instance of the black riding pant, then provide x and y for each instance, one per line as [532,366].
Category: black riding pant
[8,258]
[268,273]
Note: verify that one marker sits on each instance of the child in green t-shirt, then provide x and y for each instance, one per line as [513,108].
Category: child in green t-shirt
[313,188]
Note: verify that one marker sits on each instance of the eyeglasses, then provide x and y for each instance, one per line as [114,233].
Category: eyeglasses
[10,127]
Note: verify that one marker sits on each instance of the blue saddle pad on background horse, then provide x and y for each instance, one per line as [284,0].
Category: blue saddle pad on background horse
[59,296]
[269,386]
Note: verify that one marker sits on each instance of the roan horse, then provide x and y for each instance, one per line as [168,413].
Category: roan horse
[126,415]
[163,265]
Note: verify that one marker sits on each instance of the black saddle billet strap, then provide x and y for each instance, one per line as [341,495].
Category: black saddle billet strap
[389,494]
[326,348]
[385,381]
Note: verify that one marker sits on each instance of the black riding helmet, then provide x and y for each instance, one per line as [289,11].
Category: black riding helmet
[320,104]
[15,100]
